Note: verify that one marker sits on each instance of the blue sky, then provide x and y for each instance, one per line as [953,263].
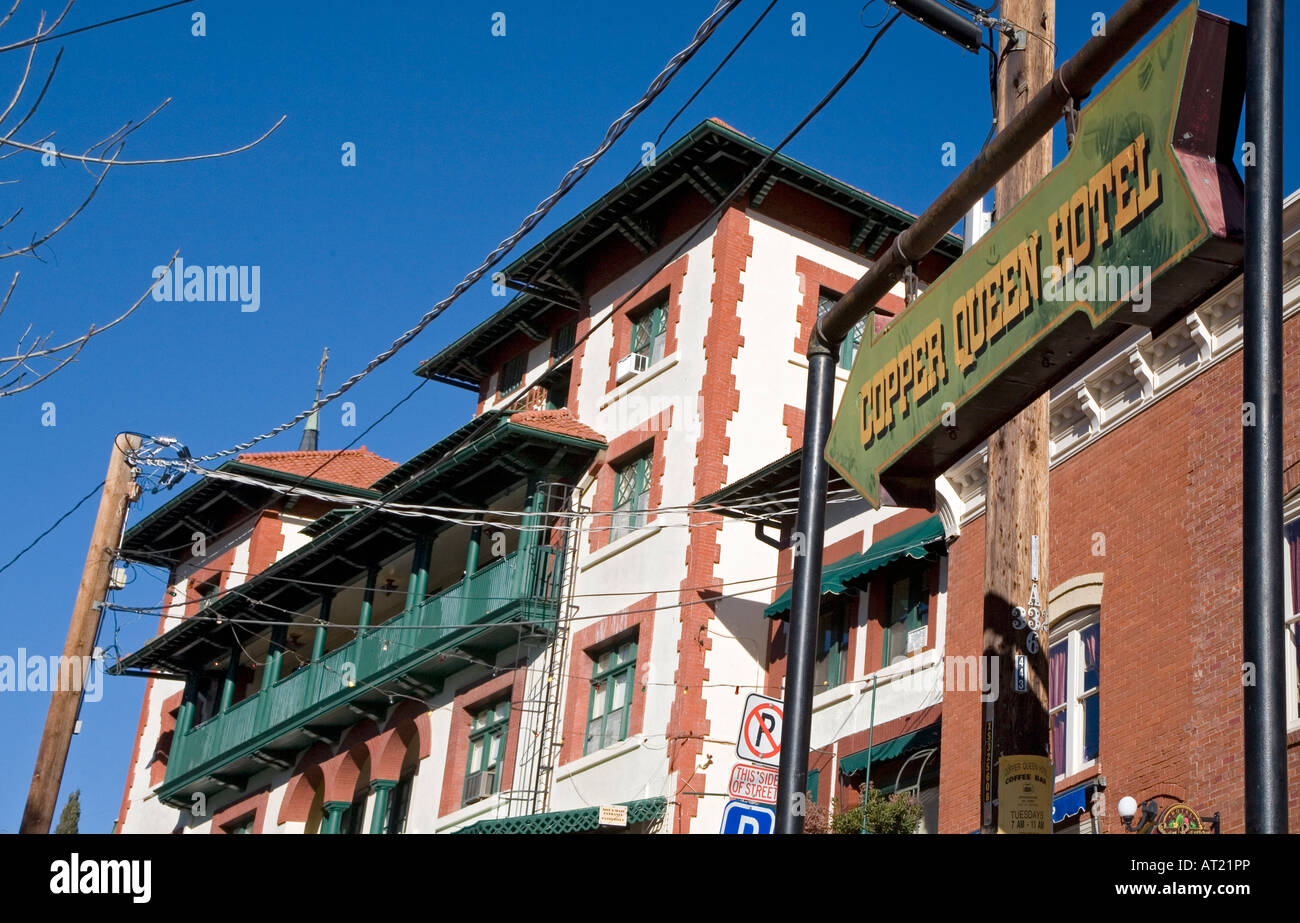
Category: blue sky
[458,134]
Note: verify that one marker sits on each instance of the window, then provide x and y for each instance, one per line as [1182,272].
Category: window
[849,348]
[487,744]
[207,592]
[631,496]
[831,666]
[611,697]
[557,390]
[1073,700]
[814,785]
[242,825]
[562,343]
[354,816]
[650,333]
[512,374]
[907,618]
[1292,631]
[399,806]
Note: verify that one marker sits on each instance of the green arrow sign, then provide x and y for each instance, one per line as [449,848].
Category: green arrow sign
[1135,226]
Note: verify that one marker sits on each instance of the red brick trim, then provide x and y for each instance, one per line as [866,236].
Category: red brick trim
[638,620]
[407,726]
[688,722]
[469,698]
[669,280]
[650,436]
[254,804]
[135,757]
[266,542]
[792,418]
[303,785]
[813,278]
[778,636]
[163,746]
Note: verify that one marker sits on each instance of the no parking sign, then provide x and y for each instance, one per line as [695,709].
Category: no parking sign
[760,730]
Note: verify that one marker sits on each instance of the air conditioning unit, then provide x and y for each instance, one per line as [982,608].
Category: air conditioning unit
[479,785]
[629,366]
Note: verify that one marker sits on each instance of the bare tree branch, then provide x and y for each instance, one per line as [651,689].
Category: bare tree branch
[41,33]
[35,360]
[141,163]
[64,352]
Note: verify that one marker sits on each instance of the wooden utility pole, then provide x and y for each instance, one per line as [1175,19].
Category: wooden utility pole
[119,490]
[1016,504]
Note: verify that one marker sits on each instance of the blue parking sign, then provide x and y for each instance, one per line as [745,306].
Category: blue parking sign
[743,817]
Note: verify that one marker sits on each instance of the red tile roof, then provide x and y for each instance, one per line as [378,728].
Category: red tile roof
[354,467]
[556,421]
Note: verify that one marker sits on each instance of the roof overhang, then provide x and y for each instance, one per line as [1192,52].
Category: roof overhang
[709,158]
[471,474]
[209,506]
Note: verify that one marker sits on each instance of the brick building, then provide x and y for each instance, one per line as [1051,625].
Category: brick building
[561,604]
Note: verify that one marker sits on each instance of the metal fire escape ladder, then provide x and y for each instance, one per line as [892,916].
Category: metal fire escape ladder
[546,653]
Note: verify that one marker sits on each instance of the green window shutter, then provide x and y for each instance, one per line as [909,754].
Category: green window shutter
[815,784]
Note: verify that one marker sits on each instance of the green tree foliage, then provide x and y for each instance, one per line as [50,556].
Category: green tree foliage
[71,815]
[899,813]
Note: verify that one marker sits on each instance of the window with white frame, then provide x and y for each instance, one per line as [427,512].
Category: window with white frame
[1291,635]
[1074,702]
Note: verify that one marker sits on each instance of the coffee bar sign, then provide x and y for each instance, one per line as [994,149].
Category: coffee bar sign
[1139,222]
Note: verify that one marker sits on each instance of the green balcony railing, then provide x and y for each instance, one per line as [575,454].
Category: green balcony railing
[527,581]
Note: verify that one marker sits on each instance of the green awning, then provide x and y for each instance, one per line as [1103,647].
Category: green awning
[912,542]
[578,820]
[917,740]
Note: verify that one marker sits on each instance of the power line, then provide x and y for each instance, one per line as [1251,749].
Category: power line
[262,576]
[713,215]
[34,541]
[570,179]
[299,622]
[709,79]
[725,201]
[722,205]
[296,487]
[40,39]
